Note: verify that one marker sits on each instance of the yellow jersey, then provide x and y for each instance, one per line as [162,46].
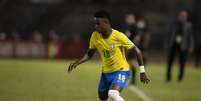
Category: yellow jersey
[112,50]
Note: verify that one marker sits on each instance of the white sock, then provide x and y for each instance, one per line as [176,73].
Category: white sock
[114,95]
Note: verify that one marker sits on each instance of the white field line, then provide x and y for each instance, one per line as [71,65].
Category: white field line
[140,93]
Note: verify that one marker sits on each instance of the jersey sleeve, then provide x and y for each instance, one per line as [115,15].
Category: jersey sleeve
[91,43]
[125,42]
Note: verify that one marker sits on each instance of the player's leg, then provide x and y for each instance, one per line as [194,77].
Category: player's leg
[133,76]
[103,95]
[118,83]
[131,61]
[133,71]
[144,58]
[103,89]
[170,60]
[114,93]
[182,61]
[144,55]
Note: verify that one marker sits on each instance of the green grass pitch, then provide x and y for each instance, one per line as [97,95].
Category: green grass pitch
[48,80]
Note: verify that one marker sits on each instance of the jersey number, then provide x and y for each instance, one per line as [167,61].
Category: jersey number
[121,78]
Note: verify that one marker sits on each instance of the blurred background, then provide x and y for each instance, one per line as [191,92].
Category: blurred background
[49,30]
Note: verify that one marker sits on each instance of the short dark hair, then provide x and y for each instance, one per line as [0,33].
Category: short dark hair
[102,14]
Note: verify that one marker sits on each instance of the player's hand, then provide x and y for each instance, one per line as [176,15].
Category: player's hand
[72,66]
[143,78]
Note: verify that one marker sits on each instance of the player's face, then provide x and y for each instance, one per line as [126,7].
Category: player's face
[130,19]
[183,16]
[101,24]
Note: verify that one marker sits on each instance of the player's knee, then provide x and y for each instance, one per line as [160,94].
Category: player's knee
[103,96]
[113,94]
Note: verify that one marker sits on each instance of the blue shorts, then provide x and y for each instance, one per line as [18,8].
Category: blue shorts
[119,78]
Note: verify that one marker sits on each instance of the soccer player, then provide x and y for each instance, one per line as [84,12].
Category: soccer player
[180,42]
[111,45]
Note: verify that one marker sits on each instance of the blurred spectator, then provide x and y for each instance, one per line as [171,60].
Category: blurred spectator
[131,28]
[15,40]
[37,37]
[132,32]
[73,48]
[180,42]
[53,44]
[144,38]
[53,36]
[37,47]
[15,36]
[6,47]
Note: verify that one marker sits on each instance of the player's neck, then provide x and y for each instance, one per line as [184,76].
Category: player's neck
[107,33]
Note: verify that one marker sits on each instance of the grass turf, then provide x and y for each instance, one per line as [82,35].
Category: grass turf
[46,80]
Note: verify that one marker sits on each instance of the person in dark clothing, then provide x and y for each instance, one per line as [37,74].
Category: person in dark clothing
[133,35]
[181,43]
[144,38]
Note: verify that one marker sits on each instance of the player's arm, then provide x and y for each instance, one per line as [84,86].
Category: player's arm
[138,53]
[129,45]
[88,55]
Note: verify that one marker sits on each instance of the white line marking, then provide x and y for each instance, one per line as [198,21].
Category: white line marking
[140,93]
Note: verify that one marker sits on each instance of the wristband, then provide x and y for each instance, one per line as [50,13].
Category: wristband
[142,70]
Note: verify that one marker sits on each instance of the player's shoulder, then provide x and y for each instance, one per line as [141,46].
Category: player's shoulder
[117,33]
[94,34]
